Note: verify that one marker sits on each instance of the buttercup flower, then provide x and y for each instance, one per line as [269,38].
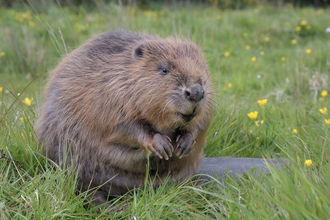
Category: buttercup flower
[226,54]
[229,85]
[293,41]
[324,93]
[1,89]
[257,122]
[266,39]
[303,23]
[308,51]
[294,131]
[327,121]
[262,53]
[2,54]
[283,59]
[247,47]
[253,59]
[323,111]
[27,101]
[80,27]
[298,28]
[254,115]
[32,24]
[262,102]
[308,163]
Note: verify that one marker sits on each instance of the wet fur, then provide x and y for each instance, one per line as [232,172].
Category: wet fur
[104,103]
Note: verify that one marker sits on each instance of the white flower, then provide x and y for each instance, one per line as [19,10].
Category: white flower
[327,30]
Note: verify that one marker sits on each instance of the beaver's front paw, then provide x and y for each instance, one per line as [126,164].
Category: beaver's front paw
[161,146]
[184,144]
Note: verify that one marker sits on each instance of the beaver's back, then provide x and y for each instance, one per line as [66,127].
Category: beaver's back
[77,84]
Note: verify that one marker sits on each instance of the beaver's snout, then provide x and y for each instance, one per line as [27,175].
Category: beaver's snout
[194,92]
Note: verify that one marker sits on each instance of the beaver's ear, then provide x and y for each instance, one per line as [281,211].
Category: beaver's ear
[138,52]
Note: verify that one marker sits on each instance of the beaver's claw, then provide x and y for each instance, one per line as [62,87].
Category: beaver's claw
[161,146]
[184,144]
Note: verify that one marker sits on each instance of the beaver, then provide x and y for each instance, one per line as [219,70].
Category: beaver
[124,106]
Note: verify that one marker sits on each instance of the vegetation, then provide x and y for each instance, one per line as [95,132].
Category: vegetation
[270,69]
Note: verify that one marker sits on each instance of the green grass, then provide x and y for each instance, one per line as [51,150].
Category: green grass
[291,79]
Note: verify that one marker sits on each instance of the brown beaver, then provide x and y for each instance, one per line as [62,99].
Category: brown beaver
[124,100]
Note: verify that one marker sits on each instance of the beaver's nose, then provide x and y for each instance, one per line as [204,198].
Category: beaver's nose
[194,92]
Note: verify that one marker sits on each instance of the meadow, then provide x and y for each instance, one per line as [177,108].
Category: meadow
[270,70]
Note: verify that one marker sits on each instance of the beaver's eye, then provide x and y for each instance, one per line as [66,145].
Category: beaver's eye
[163,71]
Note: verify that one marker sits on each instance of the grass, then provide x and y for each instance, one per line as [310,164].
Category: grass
[253,54]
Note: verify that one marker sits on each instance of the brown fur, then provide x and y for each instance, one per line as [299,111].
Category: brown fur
[110,105]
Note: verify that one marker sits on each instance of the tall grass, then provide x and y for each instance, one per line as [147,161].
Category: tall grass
[278,54]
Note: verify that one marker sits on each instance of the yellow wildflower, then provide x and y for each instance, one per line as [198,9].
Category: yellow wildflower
[32,24]
[308,51]
[80,27]
[308,27]
[262,102]
[245,34]
[229,85]
[1,89]
[262,53]
[266,39]
[293,41]
[21,119]
[257,122]
[303,23]
[323,111]
[253,59]
[247,47]
[283,59]
[327,121]
[308,163]
[27,101]
[294,131]
[19,18]
[26,15]
[298,28]
[324,93]
[2,54]
[226,54]
[254,115]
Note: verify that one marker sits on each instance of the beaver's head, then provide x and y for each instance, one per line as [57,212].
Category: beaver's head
[173,84]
